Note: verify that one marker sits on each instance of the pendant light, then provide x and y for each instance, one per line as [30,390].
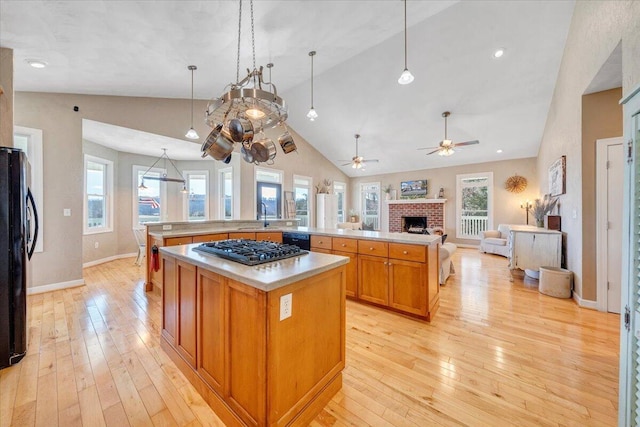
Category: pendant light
[312,115]
[406,77]
[191,133]
[164,177]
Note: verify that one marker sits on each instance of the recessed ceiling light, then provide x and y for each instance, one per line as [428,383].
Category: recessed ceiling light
[499,151]
[498,53]
[36,63]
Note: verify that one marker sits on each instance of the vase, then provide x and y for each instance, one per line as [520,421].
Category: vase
[540,223]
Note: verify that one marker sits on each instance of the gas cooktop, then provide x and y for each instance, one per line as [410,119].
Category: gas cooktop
[250,252]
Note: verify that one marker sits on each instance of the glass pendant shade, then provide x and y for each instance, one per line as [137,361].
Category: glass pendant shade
[312,115]
[406,77]
[192,134]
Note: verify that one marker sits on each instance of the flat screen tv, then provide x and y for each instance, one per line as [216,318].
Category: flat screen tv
[413,189]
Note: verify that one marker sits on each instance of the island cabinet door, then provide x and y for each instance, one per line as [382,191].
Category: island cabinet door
[246,352]
[186,339]
[352,273]
[211,328]
[155,277]
[373,279]
[169,300]
[408,286]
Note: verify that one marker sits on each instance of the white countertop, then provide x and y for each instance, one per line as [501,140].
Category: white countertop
[413,239]
[265,277]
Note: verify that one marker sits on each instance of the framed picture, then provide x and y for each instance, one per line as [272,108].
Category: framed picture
[557,180]
[413,189]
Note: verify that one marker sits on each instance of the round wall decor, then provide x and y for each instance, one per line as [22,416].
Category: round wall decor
[516,184]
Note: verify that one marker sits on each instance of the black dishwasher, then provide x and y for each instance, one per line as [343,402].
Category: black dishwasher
[301,240]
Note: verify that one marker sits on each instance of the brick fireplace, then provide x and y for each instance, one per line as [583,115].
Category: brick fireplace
[433,209]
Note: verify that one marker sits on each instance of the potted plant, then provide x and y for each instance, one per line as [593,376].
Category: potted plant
[353,215]
[541,207]
[387,191]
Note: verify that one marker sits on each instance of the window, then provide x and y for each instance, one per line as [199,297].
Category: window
[268,193]
[148,203]
[340,189]
[98,200]
[370,205]
[474,200]
[226,193]
[196,201]
[30,141]
[302,197]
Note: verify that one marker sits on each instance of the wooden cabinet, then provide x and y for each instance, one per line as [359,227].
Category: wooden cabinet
[408,286]
[373,282]
[344,245]
[534,249]
[351,274]
[186,315]
[270,236]
[373,247]
[172,241]
[242,235]
[321,242]
[210,237]
[169,300]
[211,329]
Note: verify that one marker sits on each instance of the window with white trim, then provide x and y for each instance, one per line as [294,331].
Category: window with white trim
[302,195]
[98,199]
[226,193]
[340,189]
[196,200]
[148,195]
[370,205]
[474,204]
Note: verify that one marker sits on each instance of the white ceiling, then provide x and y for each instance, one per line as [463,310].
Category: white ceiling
[141,48]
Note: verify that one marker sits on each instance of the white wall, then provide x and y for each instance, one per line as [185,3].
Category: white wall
[62,258]
[596,29]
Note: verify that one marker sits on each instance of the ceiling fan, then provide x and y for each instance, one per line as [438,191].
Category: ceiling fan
[358,162]
[446,146]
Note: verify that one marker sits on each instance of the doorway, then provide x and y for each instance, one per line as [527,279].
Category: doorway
[609,196]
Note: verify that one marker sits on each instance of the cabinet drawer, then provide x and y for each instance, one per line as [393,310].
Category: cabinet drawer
[373,247]
[210,237]
[242,235]
[271,236]
[345,245]
[172,241]
[322,242]
[407,252]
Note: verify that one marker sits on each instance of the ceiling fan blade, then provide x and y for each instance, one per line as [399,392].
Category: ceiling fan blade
[371,161]
[462,144]
[346,164]
[434,151]
[428,148]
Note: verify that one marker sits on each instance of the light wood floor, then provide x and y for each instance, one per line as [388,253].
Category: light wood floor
[497,354]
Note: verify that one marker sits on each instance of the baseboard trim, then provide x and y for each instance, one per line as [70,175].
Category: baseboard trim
[107,259]
[466,245]
[586,303]
[55,287]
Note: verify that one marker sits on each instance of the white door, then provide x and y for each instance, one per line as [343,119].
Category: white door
[610,179]
[629,402]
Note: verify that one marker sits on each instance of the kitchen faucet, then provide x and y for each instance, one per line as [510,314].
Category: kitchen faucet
[264,215]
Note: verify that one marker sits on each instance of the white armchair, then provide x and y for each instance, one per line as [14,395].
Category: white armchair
[496,241]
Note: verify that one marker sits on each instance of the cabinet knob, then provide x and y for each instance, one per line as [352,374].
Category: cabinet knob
[405,252]
[344,244]
[320,242]
[370,249]
[386,263]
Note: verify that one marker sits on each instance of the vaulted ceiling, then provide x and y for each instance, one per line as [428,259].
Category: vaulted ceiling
[141,48]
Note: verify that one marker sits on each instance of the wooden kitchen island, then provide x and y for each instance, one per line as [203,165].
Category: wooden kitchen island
[223,326]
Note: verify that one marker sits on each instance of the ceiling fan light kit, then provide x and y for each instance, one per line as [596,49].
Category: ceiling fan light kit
[252,100]
[357,161]
[447,146]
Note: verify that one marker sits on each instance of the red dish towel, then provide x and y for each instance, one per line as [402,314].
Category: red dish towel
[155,259]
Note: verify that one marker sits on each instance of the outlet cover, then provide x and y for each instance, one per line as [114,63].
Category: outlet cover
[285,306]
[166,227]
[66,212]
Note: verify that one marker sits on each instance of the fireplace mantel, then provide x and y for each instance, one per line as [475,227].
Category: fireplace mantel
[397,202]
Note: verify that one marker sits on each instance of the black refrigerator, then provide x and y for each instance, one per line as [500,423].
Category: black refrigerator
[18,235]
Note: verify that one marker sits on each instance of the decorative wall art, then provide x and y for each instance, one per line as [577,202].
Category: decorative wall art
[557,179]
[516,184]
[413,189]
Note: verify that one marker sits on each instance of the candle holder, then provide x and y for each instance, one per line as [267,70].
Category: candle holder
[526,206]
